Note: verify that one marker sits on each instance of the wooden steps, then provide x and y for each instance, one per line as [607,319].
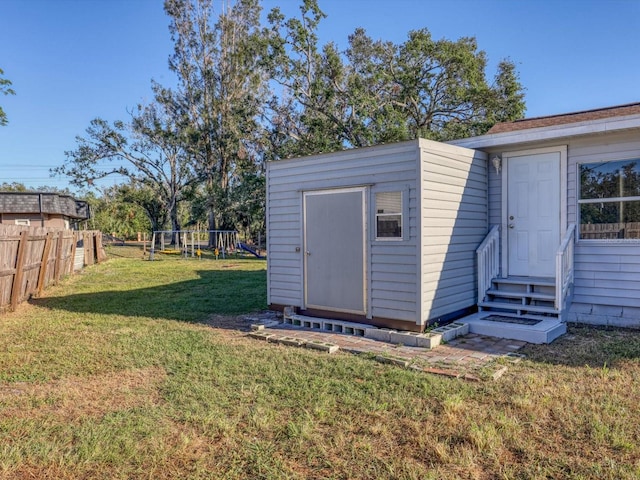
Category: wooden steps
[535,296]
[530,297]
[517,308]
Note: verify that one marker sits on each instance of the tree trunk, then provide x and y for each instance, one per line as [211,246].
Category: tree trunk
[175,226]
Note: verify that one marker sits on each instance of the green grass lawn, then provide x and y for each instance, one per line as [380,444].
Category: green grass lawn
[139,370]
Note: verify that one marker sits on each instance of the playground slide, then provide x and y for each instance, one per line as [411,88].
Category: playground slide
[247,248]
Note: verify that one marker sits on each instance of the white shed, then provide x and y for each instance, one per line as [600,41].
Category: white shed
[383,235]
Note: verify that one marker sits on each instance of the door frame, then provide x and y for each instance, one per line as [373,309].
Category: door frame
[504,221]
[363,190]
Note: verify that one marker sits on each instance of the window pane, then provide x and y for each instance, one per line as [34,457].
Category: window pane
[608,220]
[389,215]
[610,179]
[389,202]
[389,226]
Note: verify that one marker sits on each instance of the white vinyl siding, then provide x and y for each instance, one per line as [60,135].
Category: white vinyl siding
[607,273]
[392,265]
[427,272]
[607,279]
[453,224]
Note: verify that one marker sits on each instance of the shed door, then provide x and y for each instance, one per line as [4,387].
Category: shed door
[334,250]
[533,214]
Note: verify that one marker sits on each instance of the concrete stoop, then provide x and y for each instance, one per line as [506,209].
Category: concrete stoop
[545,331]
[429,340]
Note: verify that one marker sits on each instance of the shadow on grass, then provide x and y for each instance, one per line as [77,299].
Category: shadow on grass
[588,346]
[225,292]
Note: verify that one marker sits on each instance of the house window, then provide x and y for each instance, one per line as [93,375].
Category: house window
[388,215]
[609,200]
[24,222]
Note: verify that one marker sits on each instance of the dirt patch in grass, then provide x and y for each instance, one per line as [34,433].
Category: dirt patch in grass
[74,398]
[588,346]
[231,323]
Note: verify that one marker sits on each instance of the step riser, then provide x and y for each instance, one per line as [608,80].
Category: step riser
[524,289]
[550,282]
[516,314]
[514,302]
[520,295]
[509,303]
[518,332]
[518,306]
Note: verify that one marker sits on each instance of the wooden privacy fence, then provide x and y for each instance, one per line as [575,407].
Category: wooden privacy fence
[32,258]
[600,231]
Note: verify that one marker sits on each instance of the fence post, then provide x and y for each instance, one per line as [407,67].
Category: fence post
[68,265]
[56,269]
[16,288]
[44,264]
[74,240]
[99,248]
[88,251]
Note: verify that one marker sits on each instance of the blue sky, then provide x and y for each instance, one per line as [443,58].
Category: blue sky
[73,60]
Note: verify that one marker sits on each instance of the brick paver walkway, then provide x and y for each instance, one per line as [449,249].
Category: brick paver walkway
[463,356]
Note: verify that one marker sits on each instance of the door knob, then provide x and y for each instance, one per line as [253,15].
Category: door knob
[511,225]
[308,253]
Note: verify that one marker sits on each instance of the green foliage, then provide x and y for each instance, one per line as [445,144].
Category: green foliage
[247,205]
[220,93]
[13,187]
[377,91]
[151,152]
[115,212]
[5,88]
[249,92]
[20,187]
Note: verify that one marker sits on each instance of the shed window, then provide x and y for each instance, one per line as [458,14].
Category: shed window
[389,215]
[609,200]
[24,222]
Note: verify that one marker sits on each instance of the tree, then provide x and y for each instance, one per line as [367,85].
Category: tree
[5,88]
[376,92]
[115,212]
[247,205]
[21,187]
[221,90]
[13,187]
[149,152]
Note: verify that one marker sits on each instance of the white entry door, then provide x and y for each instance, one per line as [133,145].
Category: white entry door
[533,213]
[334,250]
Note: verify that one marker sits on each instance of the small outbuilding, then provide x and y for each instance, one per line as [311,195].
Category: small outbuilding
[531,225]
[382,235]
[42,209]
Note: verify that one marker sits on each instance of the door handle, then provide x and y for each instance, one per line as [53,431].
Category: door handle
[511,225]
[307,253]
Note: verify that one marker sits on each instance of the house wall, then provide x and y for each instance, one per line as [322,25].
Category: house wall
[392,269]
[607,273]
[454,222]
[607,278]
[35,219]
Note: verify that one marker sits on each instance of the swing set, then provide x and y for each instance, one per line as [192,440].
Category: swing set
[189,242]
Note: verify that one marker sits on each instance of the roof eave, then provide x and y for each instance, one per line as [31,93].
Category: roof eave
[605,125]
